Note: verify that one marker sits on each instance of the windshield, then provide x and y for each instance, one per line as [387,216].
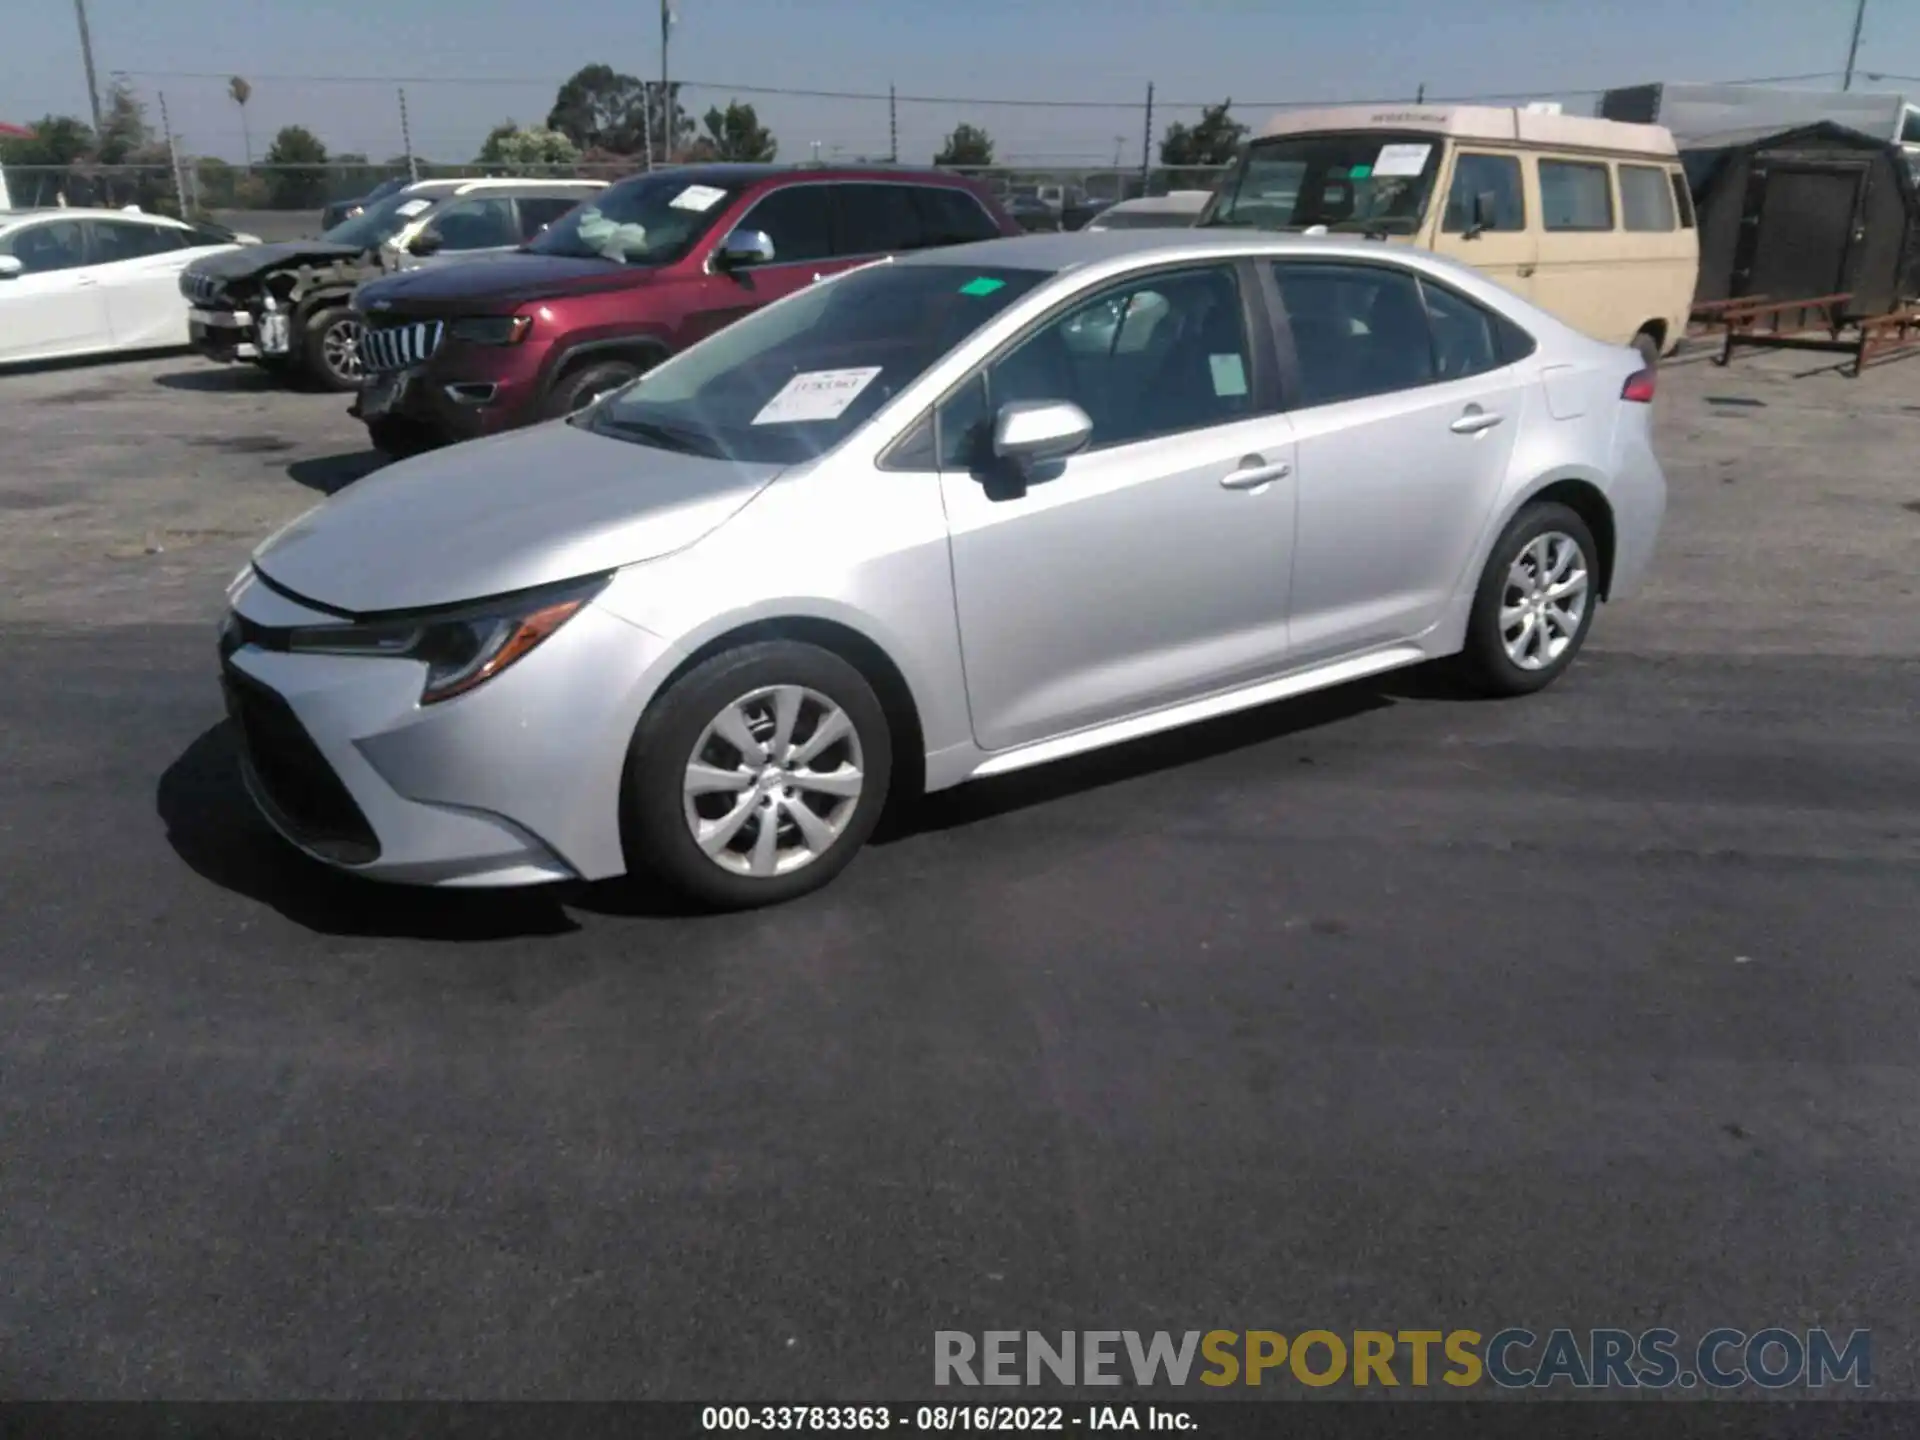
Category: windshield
[791,381]
[1364,181]
[377,224]
[652,221]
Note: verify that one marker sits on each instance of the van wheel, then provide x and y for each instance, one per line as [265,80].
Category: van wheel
[589,383]
[1649,349]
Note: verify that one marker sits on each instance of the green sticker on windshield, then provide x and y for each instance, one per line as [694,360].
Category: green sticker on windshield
[982,286]
[1360,172]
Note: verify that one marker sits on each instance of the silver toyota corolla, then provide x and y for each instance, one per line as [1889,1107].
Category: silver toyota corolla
[942,517]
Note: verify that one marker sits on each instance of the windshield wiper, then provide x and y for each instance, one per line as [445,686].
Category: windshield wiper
[664,437]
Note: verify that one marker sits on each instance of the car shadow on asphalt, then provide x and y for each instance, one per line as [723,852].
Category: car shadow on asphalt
[332,473]
[220,379]
[212,825]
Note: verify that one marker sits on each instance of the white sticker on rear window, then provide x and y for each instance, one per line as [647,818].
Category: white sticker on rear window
[816,395]
[698,197]
[1402,159]
[1229,374]
[411,208]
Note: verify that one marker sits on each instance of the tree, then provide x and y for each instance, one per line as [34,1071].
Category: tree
[738,134]
[297,163]
[217,182]
[968,147]
[1212,141]
[510,147]
[123,128]
[599,106]
[242,92]
[43,162]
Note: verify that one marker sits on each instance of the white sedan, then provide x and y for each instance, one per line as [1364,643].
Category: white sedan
[83,282]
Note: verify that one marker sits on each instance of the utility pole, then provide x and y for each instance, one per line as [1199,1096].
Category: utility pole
[86,54]
[1420,97]
[1146,146]
[406,142]
[893,127]
[173,156]
[666,93]
[1853,49]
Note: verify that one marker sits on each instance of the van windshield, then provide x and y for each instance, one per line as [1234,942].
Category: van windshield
[1370,181]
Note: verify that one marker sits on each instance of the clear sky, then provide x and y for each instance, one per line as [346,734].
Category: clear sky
[470,63]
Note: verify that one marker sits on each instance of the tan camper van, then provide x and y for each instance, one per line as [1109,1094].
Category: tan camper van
[1589,219]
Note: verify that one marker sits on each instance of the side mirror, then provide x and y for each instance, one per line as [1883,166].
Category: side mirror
[427,242]
[1486,204]
[1030,433]
[11,268]
[744,248]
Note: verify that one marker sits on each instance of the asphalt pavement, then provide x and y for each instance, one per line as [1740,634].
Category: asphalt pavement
[1382,1009]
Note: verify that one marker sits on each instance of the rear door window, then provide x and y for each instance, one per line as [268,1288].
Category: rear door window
[1646,198]
[1575,195]
[1359,330]
[799,221]
[539,211]
[477,223]
[952,217]
[876,220]
[115,240]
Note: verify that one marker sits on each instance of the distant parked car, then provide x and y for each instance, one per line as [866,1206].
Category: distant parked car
[341,211]
[1153,212]
[918,525]
[85,282]
[285,307]
[643,271]
[1031,210]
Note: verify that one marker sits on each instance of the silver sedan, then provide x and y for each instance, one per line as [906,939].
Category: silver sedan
[941,517]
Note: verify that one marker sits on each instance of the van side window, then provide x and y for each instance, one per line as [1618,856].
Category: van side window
[1646,198]
[1682,200]
[1494,175]
[1575,195]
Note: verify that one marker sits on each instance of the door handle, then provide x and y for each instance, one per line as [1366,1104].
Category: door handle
[1474,421]
[85,282]
[1254,472]
[1526,272]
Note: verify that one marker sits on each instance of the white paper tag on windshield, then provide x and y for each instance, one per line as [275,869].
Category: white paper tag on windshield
[1402,159]
[698,197]
[411,208]
[1229,375]
[816,395]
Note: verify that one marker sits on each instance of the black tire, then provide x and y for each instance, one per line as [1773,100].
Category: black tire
[328,338]
[595,378]
[1485,663]
[1649,349]
[400,438]
[660,839]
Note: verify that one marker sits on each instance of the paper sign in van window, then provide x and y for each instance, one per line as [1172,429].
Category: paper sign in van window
[411,208]
[1401,159]
[698,197]
[816,395]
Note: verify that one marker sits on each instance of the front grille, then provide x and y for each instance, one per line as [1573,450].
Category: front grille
[202,289]
[399,347]
[292,775]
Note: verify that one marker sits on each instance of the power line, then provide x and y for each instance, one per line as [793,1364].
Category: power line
[976,101]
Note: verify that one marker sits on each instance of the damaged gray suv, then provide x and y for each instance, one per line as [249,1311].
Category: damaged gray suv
[285,307]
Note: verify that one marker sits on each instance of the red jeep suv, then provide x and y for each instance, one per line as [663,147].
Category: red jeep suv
[642,271]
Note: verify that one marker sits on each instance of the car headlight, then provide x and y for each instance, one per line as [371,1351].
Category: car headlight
[462,647]
[491,329]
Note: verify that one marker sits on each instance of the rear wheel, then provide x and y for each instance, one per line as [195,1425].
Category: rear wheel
[332,349]
[582,387]
[757,775]
[1535,602]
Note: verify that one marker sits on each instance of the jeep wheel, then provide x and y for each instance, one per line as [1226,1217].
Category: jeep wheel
[332,349]
[588,384]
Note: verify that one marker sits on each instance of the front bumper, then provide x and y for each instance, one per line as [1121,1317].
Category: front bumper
[516,782]
[464,392]
[228,335]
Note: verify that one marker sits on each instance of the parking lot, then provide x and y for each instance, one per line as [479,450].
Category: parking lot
[1380,1009]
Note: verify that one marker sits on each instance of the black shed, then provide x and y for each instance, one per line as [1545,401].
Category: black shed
[1795,214]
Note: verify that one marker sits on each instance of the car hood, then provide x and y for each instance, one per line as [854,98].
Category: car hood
[529,508]
[254,260]
[511,277]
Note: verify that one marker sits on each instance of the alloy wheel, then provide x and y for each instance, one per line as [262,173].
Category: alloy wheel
[1544,600]
[340,349]
[773,781]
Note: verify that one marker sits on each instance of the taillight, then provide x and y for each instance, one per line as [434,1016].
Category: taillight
[1639,387]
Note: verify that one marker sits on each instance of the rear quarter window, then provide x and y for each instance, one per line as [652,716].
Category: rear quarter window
[1646,199]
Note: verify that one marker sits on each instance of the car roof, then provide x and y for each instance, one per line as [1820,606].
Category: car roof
[444,188]
[740,174]
[10,218]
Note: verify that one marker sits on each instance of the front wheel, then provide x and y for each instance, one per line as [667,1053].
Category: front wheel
[587,384]
[758,775]
[400,438]
[1535,602]
[332,349]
